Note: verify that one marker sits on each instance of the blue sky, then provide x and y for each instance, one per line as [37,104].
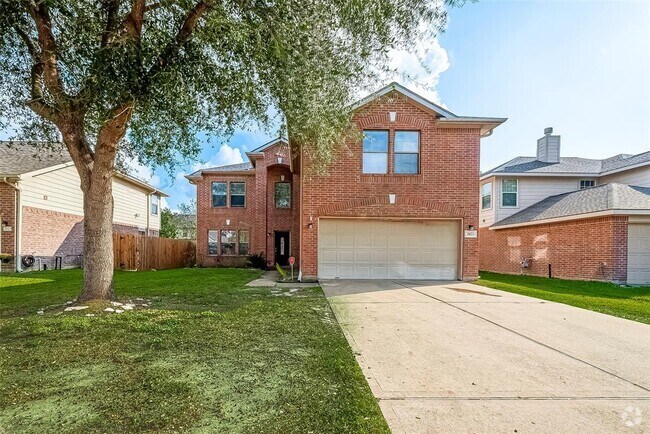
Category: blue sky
[582,67]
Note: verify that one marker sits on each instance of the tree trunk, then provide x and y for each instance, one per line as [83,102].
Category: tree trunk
[98,237]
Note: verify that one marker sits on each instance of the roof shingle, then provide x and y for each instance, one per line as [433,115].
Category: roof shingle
[17,158]
[605,197]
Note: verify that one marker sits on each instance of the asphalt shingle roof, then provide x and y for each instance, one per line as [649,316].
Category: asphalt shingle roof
[17,158]
[227,168]
[601,198]
[570,164]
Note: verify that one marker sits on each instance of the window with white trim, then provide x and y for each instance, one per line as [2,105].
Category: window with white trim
[486,195]
[228,241]
[587,183]
[154,204]
[213,242]
[375,152]
[243,242]
[283,195]
[219,194]
[237,194]
[407,152]
[509,193]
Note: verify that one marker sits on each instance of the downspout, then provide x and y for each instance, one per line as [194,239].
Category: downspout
[148,208]
[18,223]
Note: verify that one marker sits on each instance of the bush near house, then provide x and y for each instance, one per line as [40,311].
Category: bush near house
[207,355]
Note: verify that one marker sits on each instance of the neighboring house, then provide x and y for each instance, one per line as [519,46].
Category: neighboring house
[41,206]
[395,204]
[567,217]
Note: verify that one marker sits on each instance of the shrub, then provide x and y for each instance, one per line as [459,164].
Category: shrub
[257,260]
[6,257]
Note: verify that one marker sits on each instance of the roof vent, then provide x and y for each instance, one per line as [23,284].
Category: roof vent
[548,147]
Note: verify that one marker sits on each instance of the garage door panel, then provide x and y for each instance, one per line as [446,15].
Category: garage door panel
[638,257]
[379,249]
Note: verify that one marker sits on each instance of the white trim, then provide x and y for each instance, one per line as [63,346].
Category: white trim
[501,192]
[406,92]
[491,195]
[567,174]
[595,214]
[268,144]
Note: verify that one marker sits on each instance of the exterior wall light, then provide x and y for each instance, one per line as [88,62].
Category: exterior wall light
[392,116]
[391,199]
[279,160]
[281,177]
[227,222]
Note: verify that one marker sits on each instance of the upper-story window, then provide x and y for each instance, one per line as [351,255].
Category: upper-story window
[509,192]
[154,204]
[238,194]
[219,194]
[283,195]
[375,152]
[486,195]
[587,183]
[407,152]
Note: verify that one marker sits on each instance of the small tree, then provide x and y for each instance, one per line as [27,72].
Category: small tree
[144,77]
[168,224]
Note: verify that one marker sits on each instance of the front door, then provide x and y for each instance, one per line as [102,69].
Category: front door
[282,248]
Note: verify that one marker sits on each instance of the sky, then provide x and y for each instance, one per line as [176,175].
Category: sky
[581,67]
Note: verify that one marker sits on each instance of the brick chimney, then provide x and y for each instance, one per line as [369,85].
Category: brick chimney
[548,147]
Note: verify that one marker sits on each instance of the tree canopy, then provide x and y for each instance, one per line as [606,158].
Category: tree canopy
[185,66]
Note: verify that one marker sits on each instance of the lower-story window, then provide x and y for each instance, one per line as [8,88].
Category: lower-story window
[213,242]
[228,240]
[243,242]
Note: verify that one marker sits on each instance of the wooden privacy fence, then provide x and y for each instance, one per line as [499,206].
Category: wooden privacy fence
[139,252]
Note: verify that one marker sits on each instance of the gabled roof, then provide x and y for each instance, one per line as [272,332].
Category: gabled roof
[239,167]
[269,144]
[607,197]
[20,158]
[445,116]
[570,165]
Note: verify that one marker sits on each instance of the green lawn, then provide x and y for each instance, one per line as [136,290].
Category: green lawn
[209,355]
[625,302]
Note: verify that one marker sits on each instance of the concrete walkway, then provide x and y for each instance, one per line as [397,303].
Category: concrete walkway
[457,357]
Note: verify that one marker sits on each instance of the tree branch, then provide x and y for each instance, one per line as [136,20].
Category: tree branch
[172,49]
[112,7]
[47,43]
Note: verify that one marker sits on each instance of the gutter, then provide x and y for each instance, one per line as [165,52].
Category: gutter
[588,215]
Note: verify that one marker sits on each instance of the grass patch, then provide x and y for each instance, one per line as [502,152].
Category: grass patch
[209,355]
[626,302]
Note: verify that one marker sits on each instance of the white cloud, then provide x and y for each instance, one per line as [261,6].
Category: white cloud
[420,69]
[224,156]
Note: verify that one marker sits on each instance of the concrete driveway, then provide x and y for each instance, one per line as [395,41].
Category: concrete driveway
[457,357]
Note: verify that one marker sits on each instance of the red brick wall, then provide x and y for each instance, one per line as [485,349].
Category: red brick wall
[447,186]
[47,234]
[7,219]
[259,216]
[590,249]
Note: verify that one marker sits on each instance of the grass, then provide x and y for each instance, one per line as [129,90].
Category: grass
[209,355]
[626,302]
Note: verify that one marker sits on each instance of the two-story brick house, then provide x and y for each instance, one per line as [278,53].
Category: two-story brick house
[567,217]
[395,204]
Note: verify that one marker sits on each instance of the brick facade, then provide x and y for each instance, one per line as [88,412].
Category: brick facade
[259,216]
[8,221]
[446,187]
[588,249]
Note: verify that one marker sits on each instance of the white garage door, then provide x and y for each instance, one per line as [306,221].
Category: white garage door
[379,249]
[638,254]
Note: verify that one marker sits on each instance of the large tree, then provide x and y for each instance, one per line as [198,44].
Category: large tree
[143,77]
